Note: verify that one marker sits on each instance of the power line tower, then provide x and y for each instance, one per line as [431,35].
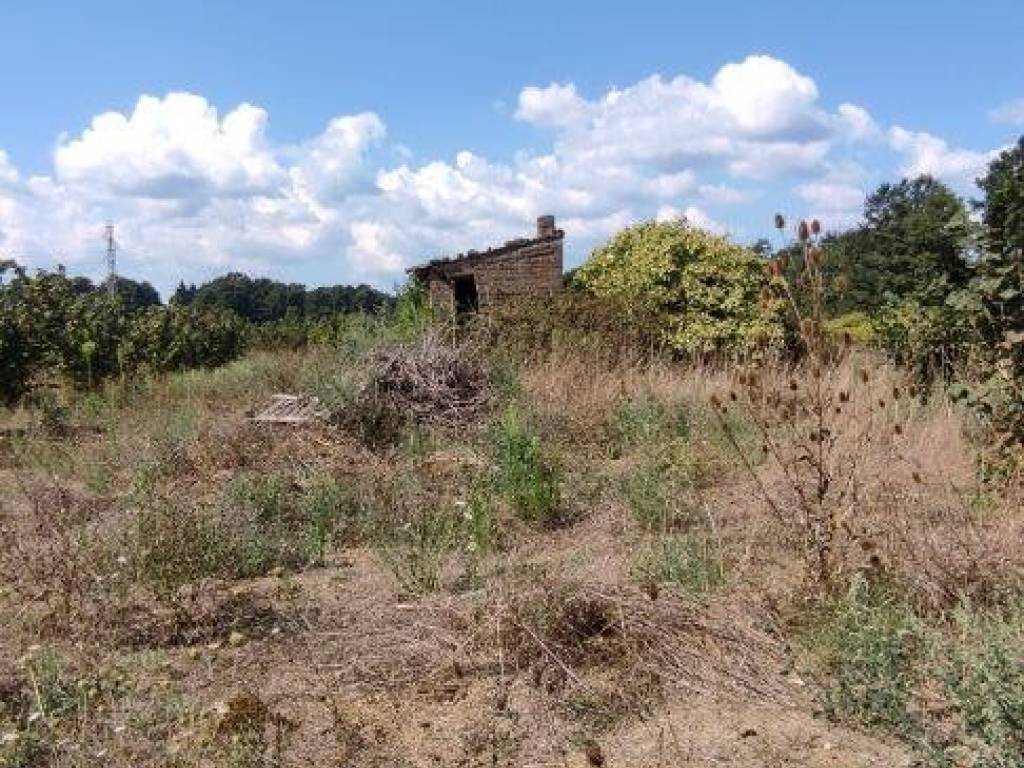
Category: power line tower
[111,259]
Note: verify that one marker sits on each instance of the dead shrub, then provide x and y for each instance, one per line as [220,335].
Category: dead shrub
[946,552]
[55,548]
[571,629]
[428,381]
[196,615]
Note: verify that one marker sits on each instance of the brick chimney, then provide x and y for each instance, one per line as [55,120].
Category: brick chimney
[546,226]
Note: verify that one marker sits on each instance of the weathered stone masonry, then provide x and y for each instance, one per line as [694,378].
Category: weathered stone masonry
[482,279]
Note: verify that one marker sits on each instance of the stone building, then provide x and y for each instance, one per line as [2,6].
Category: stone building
[476,280]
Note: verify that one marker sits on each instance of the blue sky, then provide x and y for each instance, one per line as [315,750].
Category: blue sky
[328,142]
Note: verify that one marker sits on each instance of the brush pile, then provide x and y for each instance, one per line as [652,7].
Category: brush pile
[429,381]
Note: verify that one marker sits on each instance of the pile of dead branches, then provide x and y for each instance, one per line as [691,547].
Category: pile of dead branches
[429,381]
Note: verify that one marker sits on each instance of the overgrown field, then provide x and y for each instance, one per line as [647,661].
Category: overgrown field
[495,556]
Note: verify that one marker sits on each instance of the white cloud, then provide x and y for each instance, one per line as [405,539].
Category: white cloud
[196,191]
[766,97]
[557,104]
[1010,112]
[856,123]
[174,147]
[334,163]
[723,194]
[8,173]
[928,154]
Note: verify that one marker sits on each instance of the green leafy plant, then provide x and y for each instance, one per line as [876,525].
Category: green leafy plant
[707,291]
[528,480]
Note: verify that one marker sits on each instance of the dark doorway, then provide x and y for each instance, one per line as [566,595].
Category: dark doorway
[464,290]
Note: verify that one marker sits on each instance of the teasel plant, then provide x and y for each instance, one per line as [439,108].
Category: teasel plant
[818,422]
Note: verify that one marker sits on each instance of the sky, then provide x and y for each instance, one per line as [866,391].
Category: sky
[329,142]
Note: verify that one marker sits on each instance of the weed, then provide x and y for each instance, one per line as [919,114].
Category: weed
[527,479]
[690,562]
[874,644]
[636,420]
[417,551]
[55,691]
[330,512]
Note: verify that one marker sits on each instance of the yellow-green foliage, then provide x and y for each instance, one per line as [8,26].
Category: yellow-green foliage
[858,326]
[707,289]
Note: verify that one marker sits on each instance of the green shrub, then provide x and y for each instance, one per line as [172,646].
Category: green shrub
[873,647]
[526,477]
[706,290]
[982,669]
[857,326]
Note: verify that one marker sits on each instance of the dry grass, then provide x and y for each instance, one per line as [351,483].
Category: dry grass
[532,646]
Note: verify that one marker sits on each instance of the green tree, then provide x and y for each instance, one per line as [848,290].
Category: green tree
[708,291]
[999,288]
[912,245]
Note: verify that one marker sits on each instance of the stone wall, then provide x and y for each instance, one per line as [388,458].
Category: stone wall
[518,269]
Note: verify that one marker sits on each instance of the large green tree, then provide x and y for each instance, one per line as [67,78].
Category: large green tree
[1000,289]
[911,246]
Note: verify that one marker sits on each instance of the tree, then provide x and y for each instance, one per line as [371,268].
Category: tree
[708,291]
[913,245]
[1000,290]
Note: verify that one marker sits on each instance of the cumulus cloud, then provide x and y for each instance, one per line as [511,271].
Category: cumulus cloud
[928,154]
[195,190]
[174,147]
[8,173]
[557,104]
[1011,112]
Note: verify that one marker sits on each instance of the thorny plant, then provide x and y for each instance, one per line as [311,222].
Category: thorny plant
[820,426]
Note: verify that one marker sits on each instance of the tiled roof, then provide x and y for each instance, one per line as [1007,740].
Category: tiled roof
[501,250]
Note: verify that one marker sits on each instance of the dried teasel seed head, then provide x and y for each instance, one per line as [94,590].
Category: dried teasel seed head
[847,339]
[793,384]
[732,396]
[881,403]
[815,372]
[863,376]
[912,391]
[844,396]
[814,437]
[898,429]
[803,232]
[814,257]
[895,393]
[780,221]
[815,227]
[916,476]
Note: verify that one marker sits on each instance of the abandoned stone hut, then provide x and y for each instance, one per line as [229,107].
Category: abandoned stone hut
[477,280]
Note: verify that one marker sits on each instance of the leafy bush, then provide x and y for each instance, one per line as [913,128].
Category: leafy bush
[706,291]
[874,645]
[174,338]
[929,340]
[948,694]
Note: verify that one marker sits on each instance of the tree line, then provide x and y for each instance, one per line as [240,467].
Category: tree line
[56,328]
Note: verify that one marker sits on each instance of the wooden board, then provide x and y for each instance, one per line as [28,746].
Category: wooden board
[291,409]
